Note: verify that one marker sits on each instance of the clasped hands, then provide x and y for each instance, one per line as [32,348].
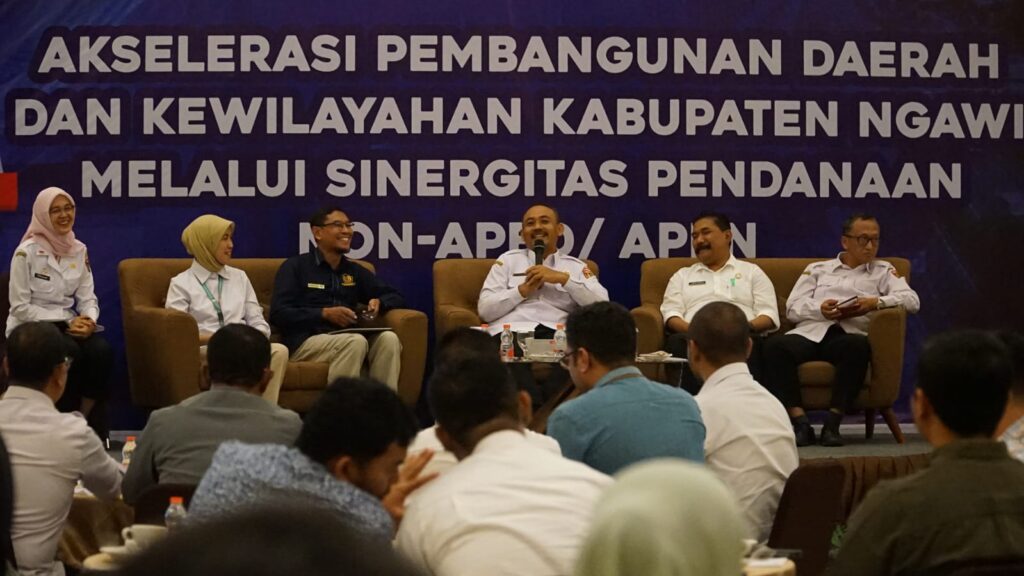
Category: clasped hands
[862,305]
[537,276]
[81,327]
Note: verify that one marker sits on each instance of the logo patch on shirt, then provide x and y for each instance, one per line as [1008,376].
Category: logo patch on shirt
[42,276]
[317,286]
[20,253]
[347,280]
[499,262]
[894,273]
[587,273]
[698,283]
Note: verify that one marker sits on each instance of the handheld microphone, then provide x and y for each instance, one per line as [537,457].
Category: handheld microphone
[538,251]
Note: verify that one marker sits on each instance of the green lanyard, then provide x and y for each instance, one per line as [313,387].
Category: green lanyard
[214,301]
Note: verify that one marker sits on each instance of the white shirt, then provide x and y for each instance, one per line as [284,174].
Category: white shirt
[41,288]
[749,443]
[442,459]
[237,298]
[501,303]
[50,452]
[832,279]
[508,509]
[741,283]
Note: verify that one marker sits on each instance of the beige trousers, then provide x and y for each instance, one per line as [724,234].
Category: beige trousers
[345,353]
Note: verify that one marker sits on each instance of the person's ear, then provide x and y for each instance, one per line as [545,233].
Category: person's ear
[343,468]
[265,379]
[560,229]
[525,405]
[584,361]
[693,353]
[7,369]
[921,408]
[750,347]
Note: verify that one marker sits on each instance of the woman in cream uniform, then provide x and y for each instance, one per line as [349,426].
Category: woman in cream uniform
[51,281]
[217,294]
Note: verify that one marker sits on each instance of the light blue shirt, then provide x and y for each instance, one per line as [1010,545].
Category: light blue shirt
[627,418]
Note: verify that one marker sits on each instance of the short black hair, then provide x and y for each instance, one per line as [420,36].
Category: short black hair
[319,218]
[469,391]
[237,355]
[1014,342]
[558,217]
[721,331]
[720,220]
[966,377]
[854,218]
[34,349]
[465,341]
[267,541]
[606,330]
[356,417]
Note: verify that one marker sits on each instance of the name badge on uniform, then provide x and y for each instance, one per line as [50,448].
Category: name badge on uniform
[347,280]
[698,283]
[42,276]
[317,286]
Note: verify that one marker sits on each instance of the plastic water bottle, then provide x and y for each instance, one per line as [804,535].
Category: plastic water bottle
[508,350]
[559,341]
[176,513]
[128,451]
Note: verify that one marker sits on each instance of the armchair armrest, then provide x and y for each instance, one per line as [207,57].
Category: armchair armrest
[411,328]
[449,316]
[651,326]
[886,334]
[162,347]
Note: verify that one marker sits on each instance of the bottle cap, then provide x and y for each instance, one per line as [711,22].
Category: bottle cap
[484,325]
[506,325]
[177,500]
[130,439]
[560,326]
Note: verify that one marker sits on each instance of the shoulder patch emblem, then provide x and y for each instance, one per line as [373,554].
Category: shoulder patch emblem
[894,273]
[587,273]
[20,253]
[499,263]
[806,273]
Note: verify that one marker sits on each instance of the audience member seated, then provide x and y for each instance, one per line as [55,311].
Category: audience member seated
[230,299]
[664,518]
[718,277]
[49,451]
[179,441]
[830,305]
[535,293]
[622,417]
[269,541]
[6,510]
[509,507]
[969,504]
[322,292]
[1011,427]
[749,441]
[346,460]
[458,344]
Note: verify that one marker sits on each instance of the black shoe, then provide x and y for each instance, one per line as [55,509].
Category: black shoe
[831,437]
[804,434]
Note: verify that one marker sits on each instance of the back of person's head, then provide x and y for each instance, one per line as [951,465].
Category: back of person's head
[269,541]
[355,417]
[237,355]
[34,349]
[721,332]
[606,330]
[463,342]
[1014,342]
[966,377]
[664,518]
[469,391]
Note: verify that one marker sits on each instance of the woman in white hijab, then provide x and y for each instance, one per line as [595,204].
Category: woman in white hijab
[216,294]
[664,517]
[51,281]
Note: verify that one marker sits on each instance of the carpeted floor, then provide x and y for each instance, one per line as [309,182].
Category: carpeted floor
[883,444]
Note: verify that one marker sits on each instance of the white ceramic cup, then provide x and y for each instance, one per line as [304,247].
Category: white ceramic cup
[142,535]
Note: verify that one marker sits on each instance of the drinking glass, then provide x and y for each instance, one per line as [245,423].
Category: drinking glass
[523,338]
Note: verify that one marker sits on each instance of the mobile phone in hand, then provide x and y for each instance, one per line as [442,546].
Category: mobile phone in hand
[852,300]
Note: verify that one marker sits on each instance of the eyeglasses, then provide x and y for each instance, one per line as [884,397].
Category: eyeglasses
[342,225]
[564,361]
[68,209]
[862,241]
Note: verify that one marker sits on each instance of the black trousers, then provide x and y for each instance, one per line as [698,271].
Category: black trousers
[92,362]
[523,373]
[849,353]
[675,344]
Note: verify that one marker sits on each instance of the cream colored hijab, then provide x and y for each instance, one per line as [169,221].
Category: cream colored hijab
[202,236]
[664,517]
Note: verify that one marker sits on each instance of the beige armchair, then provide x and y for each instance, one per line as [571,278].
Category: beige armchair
[457,284]
[886,333]
[162,345]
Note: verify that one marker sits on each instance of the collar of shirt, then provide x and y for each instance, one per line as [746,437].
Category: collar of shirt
[499,441]
[730,263]
[837,263]
[203,274]
[320,260]
[618,373]
[724,373]
[553,257]
[970,449]
[30,395]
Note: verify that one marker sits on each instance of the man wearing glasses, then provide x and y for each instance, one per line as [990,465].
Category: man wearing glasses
[323,292]
[830,304]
